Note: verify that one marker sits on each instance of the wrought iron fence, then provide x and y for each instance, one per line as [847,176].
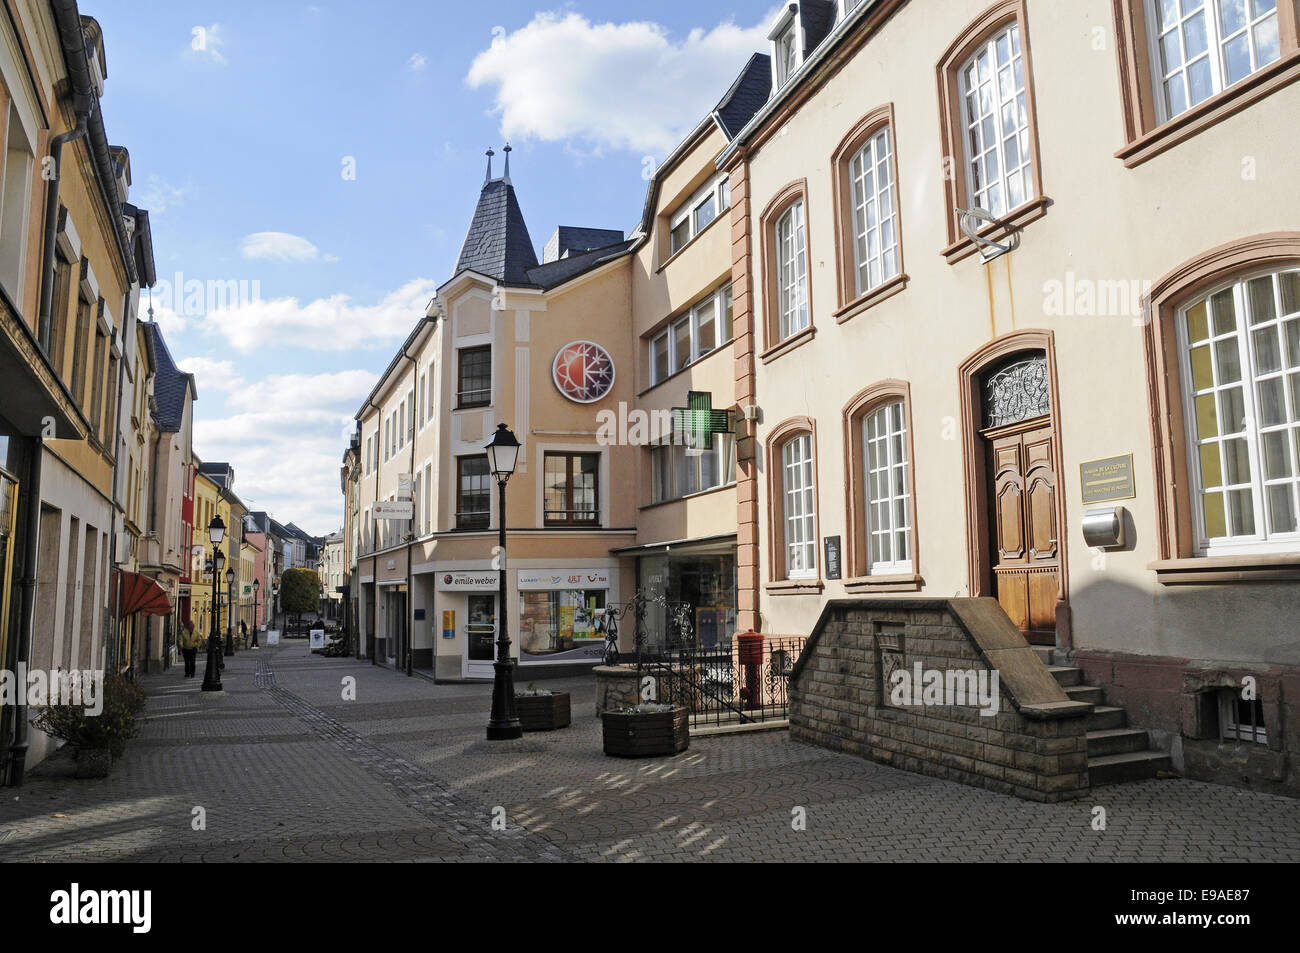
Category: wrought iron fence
[737,680]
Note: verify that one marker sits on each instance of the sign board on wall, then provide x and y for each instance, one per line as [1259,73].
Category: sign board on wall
[552,579]
[403,486]
[468,580]
[832,544]
[449,623]
[393,510]
[1104,481]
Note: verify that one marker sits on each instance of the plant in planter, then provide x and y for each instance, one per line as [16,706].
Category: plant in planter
[542,710]
[648,729]
[98,738]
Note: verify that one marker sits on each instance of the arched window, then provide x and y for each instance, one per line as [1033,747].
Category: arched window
[792,501]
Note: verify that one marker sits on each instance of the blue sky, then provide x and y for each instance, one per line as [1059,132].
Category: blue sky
[333,152]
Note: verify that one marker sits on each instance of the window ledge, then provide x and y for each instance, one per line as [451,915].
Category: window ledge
[871,298]
[1018,217]
[789,344]
[1204,570]
[689,496]
[898,582]
[794,587]
[691,241]
[686,367]
[1214,110]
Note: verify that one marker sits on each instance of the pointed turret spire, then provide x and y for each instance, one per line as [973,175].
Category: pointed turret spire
[507,150]
[497,244]
[488,177]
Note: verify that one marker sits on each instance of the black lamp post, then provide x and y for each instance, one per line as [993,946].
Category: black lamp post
[230,611]
[503,452]
[256,587]
[212,670]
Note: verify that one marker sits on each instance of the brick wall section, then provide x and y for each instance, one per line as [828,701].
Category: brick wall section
[1034,747]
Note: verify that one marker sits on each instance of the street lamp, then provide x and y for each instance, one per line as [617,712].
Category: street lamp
[503,452]
[256,587]
[211,671]
[230,611]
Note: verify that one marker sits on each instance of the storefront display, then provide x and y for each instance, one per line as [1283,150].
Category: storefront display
[559,611]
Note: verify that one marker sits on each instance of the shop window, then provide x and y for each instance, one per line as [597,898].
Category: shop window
[552,623]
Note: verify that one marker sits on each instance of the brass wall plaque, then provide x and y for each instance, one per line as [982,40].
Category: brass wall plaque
[1104,481]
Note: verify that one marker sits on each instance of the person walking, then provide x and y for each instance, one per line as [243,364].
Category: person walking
[243,633]
[190,642]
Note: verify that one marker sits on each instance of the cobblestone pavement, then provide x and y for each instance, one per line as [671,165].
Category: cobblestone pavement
[286,769]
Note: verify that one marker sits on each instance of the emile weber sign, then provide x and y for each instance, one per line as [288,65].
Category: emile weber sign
[1103,481]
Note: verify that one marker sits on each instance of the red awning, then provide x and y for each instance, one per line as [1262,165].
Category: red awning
[142,594]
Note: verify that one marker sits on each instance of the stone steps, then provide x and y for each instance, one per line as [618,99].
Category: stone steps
[1116,752]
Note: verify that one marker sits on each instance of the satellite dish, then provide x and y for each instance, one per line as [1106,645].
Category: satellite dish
[971,220]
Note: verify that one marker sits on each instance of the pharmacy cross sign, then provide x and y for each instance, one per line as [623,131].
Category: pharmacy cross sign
[697,422]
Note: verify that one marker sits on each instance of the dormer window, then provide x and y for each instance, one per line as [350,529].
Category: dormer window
[785,52]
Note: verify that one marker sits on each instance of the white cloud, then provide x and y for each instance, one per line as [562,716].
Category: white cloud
[210,374]
[158,195]
[344,389]
[168,320]
[325,324]
[620,85]
[207,41]
[417,62]
[286,461]
[277,246]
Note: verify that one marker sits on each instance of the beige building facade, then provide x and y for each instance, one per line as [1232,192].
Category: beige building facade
[943,415]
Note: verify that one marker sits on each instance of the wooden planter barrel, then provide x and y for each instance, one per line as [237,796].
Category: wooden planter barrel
[543,712]
[639,734]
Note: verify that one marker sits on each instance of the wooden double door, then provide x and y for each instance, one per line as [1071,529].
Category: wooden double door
[1023,527]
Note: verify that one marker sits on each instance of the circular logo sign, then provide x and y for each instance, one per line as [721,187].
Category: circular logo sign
[583,372]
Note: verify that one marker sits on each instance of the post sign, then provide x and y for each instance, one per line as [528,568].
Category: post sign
[403,486]
[832,546]
[318,638]
[393,510]
[1104,481]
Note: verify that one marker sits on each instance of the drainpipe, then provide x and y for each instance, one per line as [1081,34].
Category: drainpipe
[22,651]
[115,597]
[410,542]
[82,107]
[374,534]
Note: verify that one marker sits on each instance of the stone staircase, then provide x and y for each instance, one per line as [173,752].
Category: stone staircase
[1115,751]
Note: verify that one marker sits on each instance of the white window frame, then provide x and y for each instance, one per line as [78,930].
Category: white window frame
[1230,729]
[799,507]
[1262,540]
[791,271]
[883,449]
[718,302]
[717,188]
[992,107]
[786,39]
[1211,13]
[883,201]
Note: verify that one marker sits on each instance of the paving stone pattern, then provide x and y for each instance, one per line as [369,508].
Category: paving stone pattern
[286,769]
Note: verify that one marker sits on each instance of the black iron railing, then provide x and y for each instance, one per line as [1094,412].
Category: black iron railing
[740,679]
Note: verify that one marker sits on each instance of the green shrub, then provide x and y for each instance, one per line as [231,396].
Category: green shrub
[110,729]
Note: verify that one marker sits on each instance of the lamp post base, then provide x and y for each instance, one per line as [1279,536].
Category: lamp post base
[504,724]
[212,670]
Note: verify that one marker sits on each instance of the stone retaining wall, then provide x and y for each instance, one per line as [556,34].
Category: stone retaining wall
[1033,746]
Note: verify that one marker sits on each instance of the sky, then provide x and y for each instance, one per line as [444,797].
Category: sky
[326,158]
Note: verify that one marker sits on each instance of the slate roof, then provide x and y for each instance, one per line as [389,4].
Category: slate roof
[746,96]
[555,273]
[497,243]
[218,473]
[817,17]
[170,382]
[573,240]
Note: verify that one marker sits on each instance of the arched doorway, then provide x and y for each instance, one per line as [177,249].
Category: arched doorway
[1014,501]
